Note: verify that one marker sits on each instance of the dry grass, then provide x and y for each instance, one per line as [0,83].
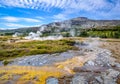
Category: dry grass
[37,75]
[69,64]
[77,61]
[114,46]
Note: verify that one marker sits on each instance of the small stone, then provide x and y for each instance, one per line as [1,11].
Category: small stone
[99,79]
[113,73]
[109,80]
[91,63]
[117,65]
[79,80]
[52,81]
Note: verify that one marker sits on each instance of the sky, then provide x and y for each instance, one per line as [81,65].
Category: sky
[27,13]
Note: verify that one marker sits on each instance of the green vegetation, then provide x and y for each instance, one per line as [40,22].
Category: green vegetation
[12,50]
[6,62]
[5,38]
[113,32]
[25,31]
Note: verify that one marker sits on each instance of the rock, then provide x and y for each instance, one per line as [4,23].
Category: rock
[113,73]
[96,69]
[65,79]
[117,65]
[103,60]
[79,80]
[90,63]
[52,81]
[110,76]
[93,82]
[99,79]
[108,80]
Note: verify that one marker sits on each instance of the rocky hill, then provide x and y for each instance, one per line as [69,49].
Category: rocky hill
[67,25]
[84,22]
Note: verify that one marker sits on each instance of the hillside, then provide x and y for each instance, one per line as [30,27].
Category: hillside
[84,22]
[67,26]
[20,30]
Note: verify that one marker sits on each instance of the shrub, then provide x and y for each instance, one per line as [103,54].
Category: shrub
[6,62]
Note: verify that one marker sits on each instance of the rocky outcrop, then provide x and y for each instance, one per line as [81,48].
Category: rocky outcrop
[101,70]
[84,22]
[98,71]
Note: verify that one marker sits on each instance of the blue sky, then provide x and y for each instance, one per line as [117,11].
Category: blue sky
[25,13]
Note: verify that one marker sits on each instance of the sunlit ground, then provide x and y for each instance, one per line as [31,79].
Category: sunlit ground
[39,75]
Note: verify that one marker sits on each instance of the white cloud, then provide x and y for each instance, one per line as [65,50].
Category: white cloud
[11,25]
[10,19]
[0,5]
[99,7]
[14,25]
[63,4]
[2,28]
[68,6]
[41,18]
[113,12]
[17,19]
[30,20]
[60,17]
[46,4]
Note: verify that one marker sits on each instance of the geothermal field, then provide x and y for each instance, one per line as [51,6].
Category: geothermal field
[59,41]
[73,60]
